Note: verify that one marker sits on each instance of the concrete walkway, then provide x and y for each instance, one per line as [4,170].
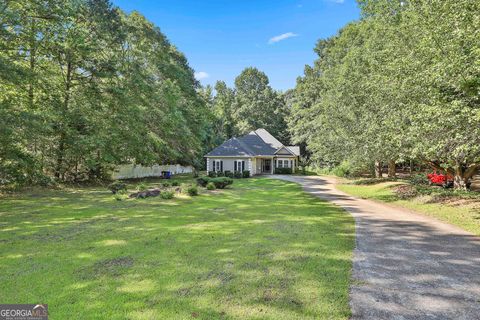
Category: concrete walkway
[405,266]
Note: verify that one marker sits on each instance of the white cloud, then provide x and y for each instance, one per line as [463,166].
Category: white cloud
[337,1]
[201,75]
[282,37]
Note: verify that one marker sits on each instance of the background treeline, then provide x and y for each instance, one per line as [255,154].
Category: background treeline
[84,86]
[402,83]
[250,105]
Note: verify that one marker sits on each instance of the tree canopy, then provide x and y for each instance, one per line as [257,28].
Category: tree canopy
[84,86]
[403,82]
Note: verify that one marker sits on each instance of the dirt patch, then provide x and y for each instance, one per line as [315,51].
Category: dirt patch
[405,191]
[108,267]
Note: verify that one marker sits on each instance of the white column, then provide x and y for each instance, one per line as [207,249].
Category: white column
[272,164]
[208,165]
[250,166]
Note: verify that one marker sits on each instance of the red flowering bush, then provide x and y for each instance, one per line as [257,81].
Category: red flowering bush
[439,178]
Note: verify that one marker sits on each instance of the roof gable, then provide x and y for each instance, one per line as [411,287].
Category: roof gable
[284,150]
[268,138]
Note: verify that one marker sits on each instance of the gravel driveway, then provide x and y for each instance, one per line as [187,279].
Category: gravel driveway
[405,266]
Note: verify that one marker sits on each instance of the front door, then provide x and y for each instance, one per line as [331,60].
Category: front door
[267,165]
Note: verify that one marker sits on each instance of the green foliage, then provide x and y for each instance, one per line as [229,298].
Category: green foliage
[371,181]
[85,86]
[120,196]
[283,170]
[419,179]
[167,194]
[344,169]
[203,181]
[257,105]
[246,174]
[221,182]
[117,186]
[229,174]
[166,184]
[212,174]
[211,186]
[237,174]
[400,83]
[175,183]
[142,186]
[192,190]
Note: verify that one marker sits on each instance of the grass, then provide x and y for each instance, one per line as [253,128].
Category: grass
[464,216]
[260,250]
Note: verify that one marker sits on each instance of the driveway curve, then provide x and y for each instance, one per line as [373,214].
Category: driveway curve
[405,265]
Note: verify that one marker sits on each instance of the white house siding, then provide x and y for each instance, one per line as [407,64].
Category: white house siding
[131,171]
[290,162]
[228,163]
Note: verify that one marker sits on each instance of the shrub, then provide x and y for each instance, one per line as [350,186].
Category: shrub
[419,179]
[237,174]
[229,174]
[119,197]
[192,190]
[283,170]
[117,186]
[166,184]
[222,182]
[219,182]
[246,174]
[371,181]
[167,194]
[212,174]
[211,186]
[344,169]
[141,186]
[202,181]
[220,174]
[175,183]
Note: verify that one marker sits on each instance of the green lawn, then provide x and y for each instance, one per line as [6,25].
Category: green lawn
[464,216]
[260,250]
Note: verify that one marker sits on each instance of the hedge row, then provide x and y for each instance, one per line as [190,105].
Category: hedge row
[219,182]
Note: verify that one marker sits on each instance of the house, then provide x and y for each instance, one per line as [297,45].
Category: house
[258,151]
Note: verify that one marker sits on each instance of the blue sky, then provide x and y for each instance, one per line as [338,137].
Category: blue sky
[222,37]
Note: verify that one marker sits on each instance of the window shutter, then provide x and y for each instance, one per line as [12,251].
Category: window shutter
[276,163]
[235,165]
[243,165]
[214,168]
[221,166]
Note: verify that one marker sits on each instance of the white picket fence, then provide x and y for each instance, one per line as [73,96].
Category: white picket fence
[131,171]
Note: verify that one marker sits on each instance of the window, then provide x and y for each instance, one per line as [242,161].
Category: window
[239,165]
[217,165]
[283,164]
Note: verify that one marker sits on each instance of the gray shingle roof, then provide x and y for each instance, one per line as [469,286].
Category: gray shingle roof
[256,143]
[231,147]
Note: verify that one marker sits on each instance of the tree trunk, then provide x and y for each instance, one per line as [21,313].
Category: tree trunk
[378,169]
[463,174]
[59,170]
[392,169]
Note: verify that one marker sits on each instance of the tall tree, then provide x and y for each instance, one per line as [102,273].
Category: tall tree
[257,105]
